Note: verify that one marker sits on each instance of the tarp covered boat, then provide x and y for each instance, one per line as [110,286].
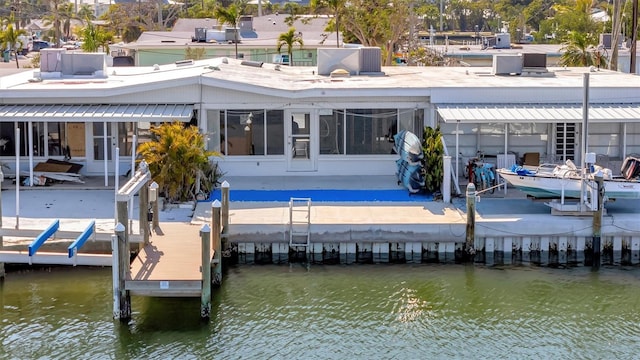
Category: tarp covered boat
[410,176]
[409,166]
[409,147]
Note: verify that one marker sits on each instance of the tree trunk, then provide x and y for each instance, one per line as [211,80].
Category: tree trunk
[615,34]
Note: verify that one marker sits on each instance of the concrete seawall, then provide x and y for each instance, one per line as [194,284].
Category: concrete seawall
[506,231]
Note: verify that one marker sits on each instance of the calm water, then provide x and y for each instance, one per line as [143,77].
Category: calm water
[334,312]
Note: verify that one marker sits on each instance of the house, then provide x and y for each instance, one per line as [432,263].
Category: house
[334,119]
[481,55]
[258,39]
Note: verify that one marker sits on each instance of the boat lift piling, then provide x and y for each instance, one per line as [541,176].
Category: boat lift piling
[224,197]
[205,269]
[597,221]
[471,220]
[216,242]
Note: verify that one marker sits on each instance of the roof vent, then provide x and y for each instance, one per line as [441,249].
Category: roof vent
[184,62]
[339,73]
[251,63]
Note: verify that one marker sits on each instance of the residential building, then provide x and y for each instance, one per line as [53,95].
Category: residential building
[335,119]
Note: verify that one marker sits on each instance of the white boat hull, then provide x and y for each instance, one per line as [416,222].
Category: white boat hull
[548,186]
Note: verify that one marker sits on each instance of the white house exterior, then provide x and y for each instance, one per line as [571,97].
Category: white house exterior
[305,121]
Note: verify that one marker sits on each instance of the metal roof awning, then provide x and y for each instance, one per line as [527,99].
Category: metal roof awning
[97,113]
[537,113]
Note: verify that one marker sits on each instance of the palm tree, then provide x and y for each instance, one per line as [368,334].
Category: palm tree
[579,50]
[336,7]
[230,16]
[54,19]
[95,37]
[177,157]
[290,38]
[11,40]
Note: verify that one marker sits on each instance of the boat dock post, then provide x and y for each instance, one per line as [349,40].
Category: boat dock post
[597,221]
[123,301]
[471,220]
[216,242]
[205,298]
[225,216]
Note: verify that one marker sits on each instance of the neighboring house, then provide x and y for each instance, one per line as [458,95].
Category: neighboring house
[479,55]
[258,40]
[309,120]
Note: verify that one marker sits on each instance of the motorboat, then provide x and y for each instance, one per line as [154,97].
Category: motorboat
[550,181]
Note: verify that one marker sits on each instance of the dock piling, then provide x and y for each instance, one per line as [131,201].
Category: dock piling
[471,220]
[216,242]
[597,221]
[205,299]
[225,214]
[124,299]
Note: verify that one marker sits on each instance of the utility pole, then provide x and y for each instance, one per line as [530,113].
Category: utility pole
[441,12]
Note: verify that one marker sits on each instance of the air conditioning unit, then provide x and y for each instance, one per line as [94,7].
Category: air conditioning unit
[531,60]
[201,35]
[231,34]
[507,64]
[607,39]
[503,41]
[370,60]
[51,60]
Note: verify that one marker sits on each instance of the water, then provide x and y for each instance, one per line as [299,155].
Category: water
[334,312]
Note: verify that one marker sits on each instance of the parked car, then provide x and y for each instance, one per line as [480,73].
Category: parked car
[39,44]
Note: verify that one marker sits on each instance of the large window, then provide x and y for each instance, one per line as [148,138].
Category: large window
[47,138]
[251,132]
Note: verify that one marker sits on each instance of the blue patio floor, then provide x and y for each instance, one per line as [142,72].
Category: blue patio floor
[324,195]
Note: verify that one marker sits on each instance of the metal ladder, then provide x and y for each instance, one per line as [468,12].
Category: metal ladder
[299,221]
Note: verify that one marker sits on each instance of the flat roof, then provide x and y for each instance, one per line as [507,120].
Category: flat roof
[442,84]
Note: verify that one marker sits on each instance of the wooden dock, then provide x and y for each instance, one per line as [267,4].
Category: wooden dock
[170,265]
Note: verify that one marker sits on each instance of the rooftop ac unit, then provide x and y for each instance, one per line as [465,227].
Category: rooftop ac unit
[231,34]
[607,39]
[201,35]
[531,60]
[51,60]
[503,41]
[370,60]
[507,64]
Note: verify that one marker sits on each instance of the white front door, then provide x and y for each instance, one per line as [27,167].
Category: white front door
[300,149]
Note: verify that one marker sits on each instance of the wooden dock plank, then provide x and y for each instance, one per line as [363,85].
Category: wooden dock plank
[174,253]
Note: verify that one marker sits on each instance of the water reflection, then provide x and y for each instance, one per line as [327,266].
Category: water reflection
[316,311]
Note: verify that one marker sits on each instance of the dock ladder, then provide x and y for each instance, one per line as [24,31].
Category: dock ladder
[299,221]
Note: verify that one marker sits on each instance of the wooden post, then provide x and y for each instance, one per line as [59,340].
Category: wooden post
[471,219]
[124,299]
[216,242]
[143,197]
[115,273]
[597,221]
[225,214]
[205,269]
[446,182]
[154,200]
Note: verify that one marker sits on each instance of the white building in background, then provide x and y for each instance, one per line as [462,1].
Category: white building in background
[310,120]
